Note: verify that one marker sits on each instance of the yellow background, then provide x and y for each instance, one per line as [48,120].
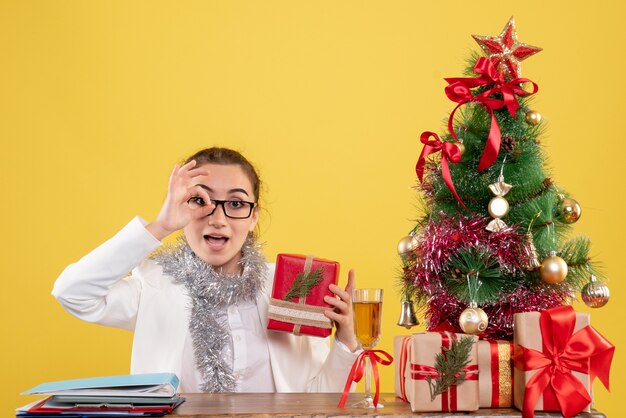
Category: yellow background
[98,99]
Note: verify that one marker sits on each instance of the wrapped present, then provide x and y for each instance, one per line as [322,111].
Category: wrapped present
[297,303]
[495,377]
[425,386]
[557,355]
[400,353]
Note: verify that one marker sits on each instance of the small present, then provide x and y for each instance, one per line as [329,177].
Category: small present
[428,387]
[557,355]
[495,377]
[401,367]
[297,303]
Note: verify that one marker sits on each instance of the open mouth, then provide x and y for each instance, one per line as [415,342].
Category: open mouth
[215,240]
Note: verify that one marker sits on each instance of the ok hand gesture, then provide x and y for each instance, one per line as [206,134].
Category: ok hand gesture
[185,201]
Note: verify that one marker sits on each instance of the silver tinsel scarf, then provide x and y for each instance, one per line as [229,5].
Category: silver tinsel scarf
[211,292]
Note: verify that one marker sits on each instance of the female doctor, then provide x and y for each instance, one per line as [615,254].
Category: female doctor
[199,308]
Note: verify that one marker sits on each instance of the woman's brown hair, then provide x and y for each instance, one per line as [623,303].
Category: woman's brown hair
[226,156]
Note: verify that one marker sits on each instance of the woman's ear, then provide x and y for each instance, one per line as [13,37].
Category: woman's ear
[254,218]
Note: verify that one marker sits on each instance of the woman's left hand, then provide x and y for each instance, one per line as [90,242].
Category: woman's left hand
[343,314]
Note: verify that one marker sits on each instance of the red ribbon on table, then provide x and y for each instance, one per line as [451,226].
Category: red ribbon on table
[356,373]
[585,351]
[423,372]
[449,152]
[459,91]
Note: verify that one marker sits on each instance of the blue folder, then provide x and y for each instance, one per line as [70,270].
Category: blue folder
[151,384]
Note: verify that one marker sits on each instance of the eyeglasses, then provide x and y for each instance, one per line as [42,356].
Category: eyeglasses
[234,209]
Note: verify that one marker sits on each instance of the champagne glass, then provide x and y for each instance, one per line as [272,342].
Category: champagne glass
[367,304]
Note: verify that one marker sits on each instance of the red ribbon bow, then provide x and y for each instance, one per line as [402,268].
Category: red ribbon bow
[449,152]
[459,91]
[356,373]
[585,351]
[444,326]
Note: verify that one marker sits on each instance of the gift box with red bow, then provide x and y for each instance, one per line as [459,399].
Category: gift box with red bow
[557,356]
[418,376]
[495,377]
[297,303]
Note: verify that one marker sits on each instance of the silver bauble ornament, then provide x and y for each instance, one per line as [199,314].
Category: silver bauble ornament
[595,294]
[473,320]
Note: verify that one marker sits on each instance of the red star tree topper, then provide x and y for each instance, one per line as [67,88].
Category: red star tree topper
[505,52]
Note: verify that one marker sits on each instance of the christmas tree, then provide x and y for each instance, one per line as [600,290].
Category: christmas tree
[493,237]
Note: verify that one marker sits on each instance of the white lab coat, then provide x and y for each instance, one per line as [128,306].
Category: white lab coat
[148,302]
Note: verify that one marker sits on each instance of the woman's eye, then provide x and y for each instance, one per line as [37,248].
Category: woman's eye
[235,204]
[198,201]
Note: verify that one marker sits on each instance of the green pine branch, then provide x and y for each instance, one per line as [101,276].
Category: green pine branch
[303,283]
[575,253]
[449,365]
[480,264]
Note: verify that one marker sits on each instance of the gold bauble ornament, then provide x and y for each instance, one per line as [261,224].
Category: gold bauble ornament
[569,210]
[553,269]
[406,245]
[595,294]
[498,207]
[473,320]
[533,117]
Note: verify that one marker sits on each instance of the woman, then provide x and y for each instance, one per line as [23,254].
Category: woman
[199,308]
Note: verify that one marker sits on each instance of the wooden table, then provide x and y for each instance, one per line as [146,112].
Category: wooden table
[200,405]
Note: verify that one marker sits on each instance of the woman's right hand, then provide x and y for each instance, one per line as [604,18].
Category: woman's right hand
[180,205]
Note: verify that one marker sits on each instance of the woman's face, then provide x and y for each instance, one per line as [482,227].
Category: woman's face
[217,239]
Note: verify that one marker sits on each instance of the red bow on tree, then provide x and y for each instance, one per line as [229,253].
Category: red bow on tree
[459,91]
[449,152]
[564,351]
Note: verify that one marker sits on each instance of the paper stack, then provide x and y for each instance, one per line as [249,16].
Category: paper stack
[136,395]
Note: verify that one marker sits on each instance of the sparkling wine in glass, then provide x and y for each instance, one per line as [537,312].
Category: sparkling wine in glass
[367,305]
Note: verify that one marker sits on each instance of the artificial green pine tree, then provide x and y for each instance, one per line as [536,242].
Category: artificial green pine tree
[494,227]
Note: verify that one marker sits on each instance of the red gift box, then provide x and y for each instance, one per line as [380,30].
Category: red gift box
[557,356]
[495,377]
[304,312]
